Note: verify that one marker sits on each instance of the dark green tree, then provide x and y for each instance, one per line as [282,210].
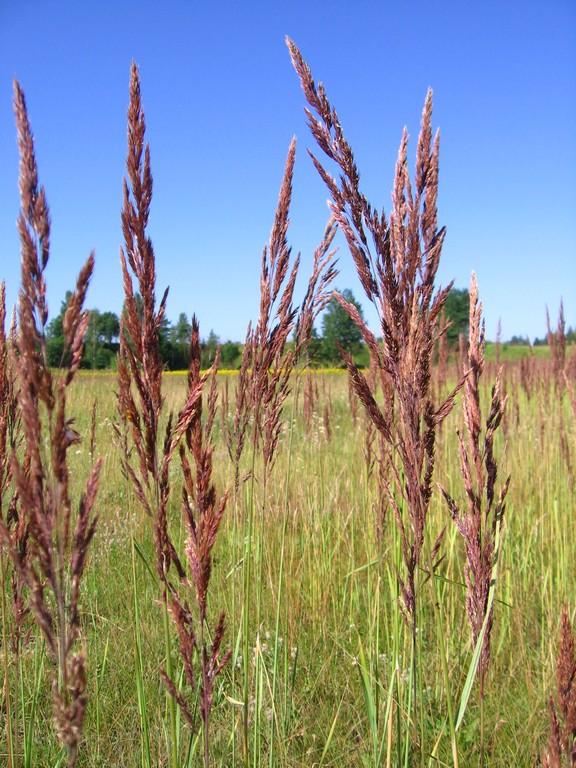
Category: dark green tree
[99,345]
[339,329]
[230,355]
[182,330]
[55,340]
[315,350]
[179,343]
[167,348]
[209,349]
[457,311]
[108,327]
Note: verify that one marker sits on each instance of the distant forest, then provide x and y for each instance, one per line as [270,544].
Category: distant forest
[101,342]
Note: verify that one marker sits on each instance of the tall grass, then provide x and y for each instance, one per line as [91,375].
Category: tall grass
[328,612]
[48,545]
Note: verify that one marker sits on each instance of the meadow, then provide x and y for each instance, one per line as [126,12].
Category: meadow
[285,567]
[326,555]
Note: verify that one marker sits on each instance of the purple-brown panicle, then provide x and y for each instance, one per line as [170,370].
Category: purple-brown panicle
[48,558]
[396,259]
[480,519]
[562,739]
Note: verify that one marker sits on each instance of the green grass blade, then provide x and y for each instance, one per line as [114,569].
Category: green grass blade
[477,651]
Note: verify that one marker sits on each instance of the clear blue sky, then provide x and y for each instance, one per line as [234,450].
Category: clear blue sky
[222,103]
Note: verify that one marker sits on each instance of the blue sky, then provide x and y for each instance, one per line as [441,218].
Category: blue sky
[222,103]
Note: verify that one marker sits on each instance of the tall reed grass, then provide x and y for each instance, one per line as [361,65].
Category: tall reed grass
[324,610]
[48,543]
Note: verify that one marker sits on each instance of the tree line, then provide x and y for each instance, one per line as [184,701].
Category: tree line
[101,341]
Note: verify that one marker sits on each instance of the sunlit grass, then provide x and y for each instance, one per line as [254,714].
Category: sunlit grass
[327,636]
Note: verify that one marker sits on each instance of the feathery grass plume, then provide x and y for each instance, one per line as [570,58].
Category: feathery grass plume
[57,546]
[140,400]
[396,261]
[139,365]
[271,364]
[562,740]
[479,524]
[267,362]
[140,405]
[202,513]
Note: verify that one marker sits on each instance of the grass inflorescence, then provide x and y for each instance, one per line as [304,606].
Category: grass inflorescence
[291,567]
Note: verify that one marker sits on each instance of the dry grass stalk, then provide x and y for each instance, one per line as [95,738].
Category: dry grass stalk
[57,547]
[479,522]
[562,741]
[396,261]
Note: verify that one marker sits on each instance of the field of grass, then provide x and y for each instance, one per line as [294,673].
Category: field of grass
[282,567]
[326,559]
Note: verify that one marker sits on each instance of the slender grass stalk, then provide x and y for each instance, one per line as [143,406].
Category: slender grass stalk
[100,675]
[12,755]
[28,718]
[274,718]
[246,609]
[145,754]
[170,701]
[437,601]
[480,525]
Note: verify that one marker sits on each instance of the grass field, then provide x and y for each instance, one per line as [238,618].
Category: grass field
[327,593]
[284,567]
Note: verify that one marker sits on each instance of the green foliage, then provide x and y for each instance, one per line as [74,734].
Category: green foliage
[100,342]
[230,355]
[55,341]
[457,310]
[209,349]
[182,330]
[338,329]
